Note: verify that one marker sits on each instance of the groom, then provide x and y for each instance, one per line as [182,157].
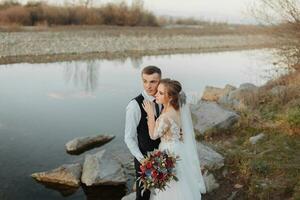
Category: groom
[137,136]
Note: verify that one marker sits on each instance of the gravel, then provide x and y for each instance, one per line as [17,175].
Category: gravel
[39,43]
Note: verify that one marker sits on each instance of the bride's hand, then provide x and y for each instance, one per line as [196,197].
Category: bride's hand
[148,107]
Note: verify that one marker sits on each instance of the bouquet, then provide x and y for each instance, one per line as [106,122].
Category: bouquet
[157,170]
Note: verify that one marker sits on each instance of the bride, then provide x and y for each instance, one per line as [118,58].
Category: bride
[175,129]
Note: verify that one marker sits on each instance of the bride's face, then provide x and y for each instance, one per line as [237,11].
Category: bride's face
[161,95]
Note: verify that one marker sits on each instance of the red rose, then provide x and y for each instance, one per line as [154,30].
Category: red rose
[160,176]
[149,165]
[169,163]
[154,173]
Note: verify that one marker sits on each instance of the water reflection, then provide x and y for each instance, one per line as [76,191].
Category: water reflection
[62,189]
[136,62]
[84,74]
[104,192]
[91,192]
[78,95]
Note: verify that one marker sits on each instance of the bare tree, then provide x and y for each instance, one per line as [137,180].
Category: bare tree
[86,3]
[284,17]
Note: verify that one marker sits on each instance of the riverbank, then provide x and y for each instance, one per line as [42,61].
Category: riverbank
[36,45]
[262,150]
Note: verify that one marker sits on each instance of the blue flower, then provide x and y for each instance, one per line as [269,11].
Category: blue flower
[148,172]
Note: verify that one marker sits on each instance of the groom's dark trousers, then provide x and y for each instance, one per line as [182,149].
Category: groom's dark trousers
[145,144]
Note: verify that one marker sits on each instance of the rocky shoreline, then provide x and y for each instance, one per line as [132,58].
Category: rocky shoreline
[217,110]
[103,169]
[60,45]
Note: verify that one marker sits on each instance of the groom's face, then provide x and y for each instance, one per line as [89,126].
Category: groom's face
[150,83]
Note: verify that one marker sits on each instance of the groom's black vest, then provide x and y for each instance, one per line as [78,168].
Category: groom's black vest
[144,141]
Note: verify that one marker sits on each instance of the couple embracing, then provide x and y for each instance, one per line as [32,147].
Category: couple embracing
[159,118]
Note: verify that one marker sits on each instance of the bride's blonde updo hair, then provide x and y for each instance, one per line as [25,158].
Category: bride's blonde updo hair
[173,89]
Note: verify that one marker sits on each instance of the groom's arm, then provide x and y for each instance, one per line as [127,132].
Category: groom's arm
[133,116]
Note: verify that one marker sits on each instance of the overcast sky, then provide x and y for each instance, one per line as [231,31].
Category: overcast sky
[224,10]
[217,10]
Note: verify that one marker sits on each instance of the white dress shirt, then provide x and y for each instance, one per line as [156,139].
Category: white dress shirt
[133,117]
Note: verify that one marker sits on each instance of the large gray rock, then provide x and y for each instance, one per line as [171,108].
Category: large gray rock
[68,175]
[209,159]
[130,196]
[210,182]
[236,98]
[209,115]
[214,93]
[102,169]
[230,96]
[247,86]
[81,144]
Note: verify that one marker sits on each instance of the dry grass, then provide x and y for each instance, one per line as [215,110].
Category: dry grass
[15,15]
[120,14]
[278,103]
[110,14]
[267,170]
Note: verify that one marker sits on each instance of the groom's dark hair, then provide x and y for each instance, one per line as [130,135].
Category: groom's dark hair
[151,70]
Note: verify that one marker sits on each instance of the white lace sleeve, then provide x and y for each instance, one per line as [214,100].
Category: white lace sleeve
[162,125]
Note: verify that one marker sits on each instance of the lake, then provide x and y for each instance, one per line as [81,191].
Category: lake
[43,106]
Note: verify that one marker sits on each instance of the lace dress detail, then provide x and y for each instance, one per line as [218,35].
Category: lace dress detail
[167,129]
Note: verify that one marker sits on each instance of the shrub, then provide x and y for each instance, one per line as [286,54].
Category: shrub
[15,15]
[293,116]
[35,13]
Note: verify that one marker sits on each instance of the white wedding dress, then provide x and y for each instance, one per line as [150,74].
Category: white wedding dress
[190,185]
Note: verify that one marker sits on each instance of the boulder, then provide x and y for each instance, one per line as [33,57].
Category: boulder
[230,96]
[81,144]
[209,115]
[247,86]
[209,159]
[214,93]
[102,168]
[210,182]
[236,98]
[255,139]
[130,196]
[68,175]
